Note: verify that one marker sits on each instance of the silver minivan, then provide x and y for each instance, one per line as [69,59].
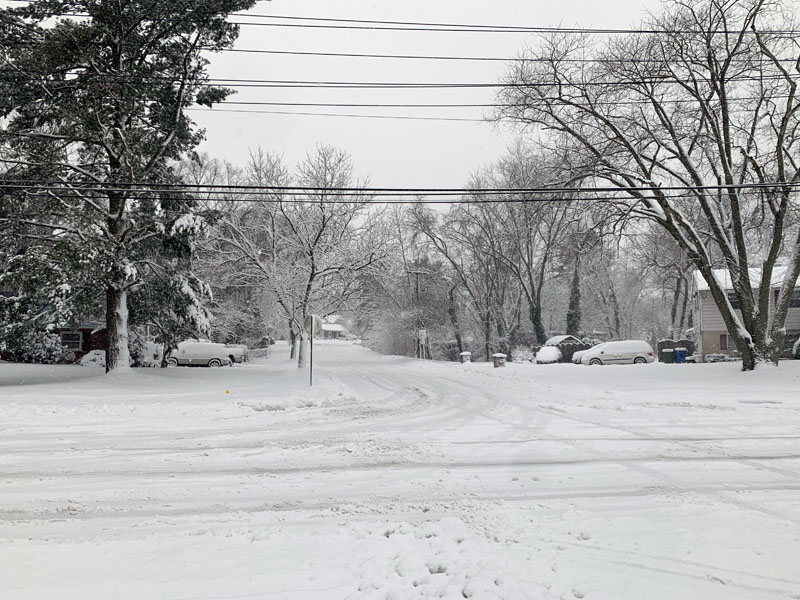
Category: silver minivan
[624,352]
[199,354]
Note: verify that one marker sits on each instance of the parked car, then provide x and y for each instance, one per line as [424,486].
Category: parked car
[619,353]
[547,355]
[238,352]
[199,354]
[576,356]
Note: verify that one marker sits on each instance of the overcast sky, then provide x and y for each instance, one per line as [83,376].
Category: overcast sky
[393,153]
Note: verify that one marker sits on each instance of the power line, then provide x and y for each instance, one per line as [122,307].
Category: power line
[426,118]
[367,55]
[249,194]
[504,59]
[343,115]
[121,186]
[312,197]
[392,85]
[483,27]
[441,105]
[507,59]
[380,25]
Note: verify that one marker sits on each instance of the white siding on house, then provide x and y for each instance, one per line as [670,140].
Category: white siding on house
[793,316]
[711,317]
[793,320]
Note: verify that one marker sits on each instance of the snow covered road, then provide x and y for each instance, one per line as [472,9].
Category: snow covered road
[395,478]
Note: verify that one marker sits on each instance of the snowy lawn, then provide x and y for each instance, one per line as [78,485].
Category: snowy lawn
[394,478]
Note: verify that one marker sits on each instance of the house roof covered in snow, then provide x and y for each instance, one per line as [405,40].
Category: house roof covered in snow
[558,339]
[724,278]
[332,327]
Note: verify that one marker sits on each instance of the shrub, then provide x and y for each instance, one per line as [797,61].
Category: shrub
[522,354]
[41,348]
[143,352]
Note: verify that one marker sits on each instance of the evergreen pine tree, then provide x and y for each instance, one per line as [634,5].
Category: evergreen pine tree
[95,117]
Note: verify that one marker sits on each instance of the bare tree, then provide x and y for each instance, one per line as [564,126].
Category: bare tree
[308,249]
[697,123]
[472,255]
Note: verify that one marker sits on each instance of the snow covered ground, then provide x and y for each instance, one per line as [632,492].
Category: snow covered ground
[394,478]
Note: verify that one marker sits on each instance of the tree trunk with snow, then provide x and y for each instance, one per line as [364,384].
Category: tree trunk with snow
[302,350]
[452,312]
[574,308]
[292,341]
[117,353]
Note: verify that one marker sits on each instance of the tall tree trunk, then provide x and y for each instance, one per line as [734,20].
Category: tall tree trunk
[487,332]
[777,328]
[615,324]
[117,353]
[574,308]
[451,311]
[748,357]
[742,338]
[292,342]
[684,306]
[502,338]
[535,315]
[673,315]
[302,350]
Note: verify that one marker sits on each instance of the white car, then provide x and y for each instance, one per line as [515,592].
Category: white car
[199,354]
[576,357]
[619,353]
[237,353]
[548,355]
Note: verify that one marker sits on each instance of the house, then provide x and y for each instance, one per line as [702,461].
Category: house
[87,336]
[332,331]
[335,327]
[712,335]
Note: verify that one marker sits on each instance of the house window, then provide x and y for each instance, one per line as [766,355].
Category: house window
[794,302]
[734,300]
[71,340]
[727,343]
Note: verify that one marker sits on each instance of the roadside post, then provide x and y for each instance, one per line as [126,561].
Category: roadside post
[312,324]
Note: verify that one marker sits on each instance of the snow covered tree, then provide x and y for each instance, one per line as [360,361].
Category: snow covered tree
[308,249]
[94,108]
[709,108]
[470,240]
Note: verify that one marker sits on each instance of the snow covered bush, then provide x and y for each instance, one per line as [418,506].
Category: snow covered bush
[42,348]
[143,352]
[95,358]
[522,354]
[796,348]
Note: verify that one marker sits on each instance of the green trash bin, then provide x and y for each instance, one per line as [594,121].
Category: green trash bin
[668,355]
